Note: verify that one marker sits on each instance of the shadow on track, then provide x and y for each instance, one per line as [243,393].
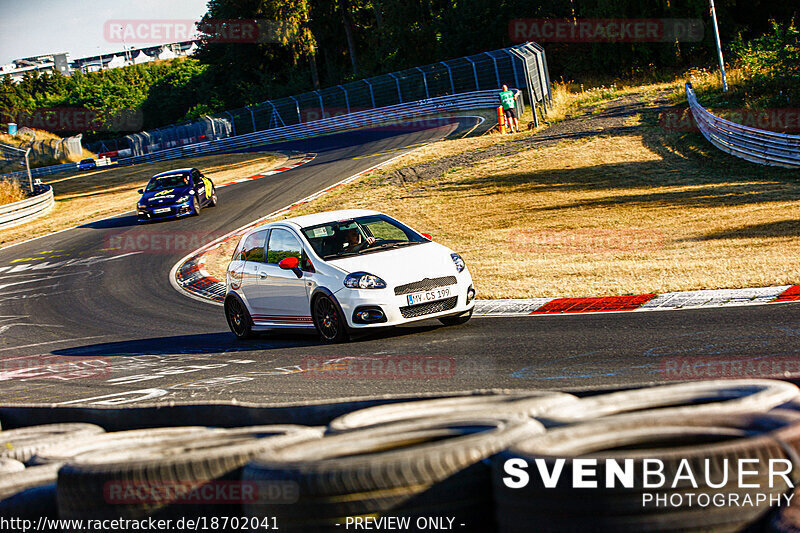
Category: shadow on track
[224,342]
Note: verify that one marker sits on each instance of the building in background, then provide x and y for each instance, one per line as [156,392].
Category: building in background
[19,68]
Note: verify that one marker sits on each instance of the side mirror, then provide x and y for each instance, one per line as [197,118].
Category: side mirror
[427,236]
[293,264]
[140,191]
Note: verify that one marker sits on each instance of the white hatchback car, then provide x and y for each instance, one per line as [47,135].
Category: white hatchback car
[341,271]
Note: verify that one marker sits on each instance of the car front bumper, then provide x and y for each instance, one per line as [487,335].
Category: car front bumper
[174,211]
[396,309]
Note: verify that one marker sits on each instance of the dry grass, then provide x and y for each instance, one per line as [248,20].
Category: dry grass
[606,216]
[10,191]
[37,159]
[94,195]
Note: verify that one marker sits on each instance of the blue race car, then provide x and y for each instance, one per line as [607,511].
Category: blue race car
[87,164]
[175,193]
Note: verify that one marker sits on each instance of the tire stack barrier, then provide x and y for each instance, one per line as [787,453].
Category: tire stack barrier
[417,461]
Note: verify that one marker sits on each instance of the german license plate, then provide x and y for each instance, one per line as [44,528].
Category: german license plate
[432,295]
[162,210]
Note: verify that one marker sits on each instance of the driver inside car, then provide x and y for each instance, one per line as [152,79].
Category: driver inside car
[354,241]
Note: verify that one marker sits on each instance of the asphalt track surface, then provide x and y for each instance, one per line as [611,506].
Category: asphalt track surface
[93,327]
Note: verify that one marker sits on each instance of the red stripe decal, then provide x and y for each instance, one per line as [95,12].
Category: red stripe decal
[792,294]
[594,305]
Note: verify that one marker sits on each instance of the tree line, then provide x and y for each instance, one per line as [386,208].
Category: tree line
[321,43]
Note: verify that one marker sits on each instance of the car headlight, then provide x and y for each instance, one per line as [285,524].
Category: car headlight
[140,206]
[363,280]
[460,265]
[183,199]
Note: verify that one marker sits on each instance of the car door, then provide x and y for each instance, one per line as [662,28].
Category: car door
[286,302]
[199,187]
[253,257]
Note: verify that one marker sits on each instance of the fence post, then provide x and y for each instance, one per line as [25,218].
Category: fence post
[399,94]
[514,68]
[496,71]
[475,72]
[371,93]
[425,82]
[253,118]
[297,106]
[28,168]
[346,99]
[233,122]
[450,73]
[321,105]
[275,114]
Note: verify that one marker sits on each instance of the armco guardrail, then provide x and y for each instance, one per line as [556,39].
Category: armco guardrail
[41,171]
[360,119]
[24,210]
[754,145]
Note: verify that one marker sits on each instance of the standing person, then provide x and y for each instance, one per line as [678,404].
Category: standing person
[509,108]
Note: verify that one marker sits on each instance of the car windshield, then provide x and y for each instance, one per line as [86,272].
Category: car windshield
[360,235]
[169,181]
[86,160]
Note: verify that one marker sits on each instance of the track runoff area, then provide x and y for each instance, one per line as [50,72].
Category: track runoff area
[400,431]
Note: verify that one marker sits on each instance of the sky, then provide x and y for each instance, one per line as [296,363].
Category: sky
[78,27]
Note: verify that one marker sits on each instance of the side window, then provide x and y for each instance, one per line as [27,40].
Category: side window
[253,247]
[283,244]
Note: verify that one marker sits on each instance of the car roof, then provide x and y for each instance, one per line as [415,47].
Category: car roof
[318,218]
[175,171]
[328,216]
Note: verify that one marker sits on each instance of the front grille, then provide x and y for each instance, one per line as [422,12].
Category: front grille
[424,285]
[412,311]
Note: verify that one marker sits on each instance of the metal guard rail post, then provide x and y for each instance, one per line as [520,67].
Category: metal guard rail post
[751,144]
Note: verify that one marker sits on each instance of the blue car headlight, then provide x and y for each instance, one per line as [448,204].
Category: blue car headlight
[460,265]
[364,280]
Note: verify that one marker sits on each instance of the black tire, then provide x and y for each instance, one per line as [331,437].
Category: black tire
[213,201]
[688,399]
[195,205]
[30,493]
[23,443]
[421,468]
[238,318]
[720,439]
[87,482]
[328,320]
[456,320]
[530,404]
[68,449]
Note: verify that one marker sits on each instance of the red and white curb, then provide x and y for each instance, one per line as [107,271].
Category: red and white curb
[641,302]
[189,277]
[294,161]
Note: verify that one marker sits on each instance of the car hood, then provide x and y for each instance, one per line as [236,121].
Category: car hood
[402,265]
[165,195]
